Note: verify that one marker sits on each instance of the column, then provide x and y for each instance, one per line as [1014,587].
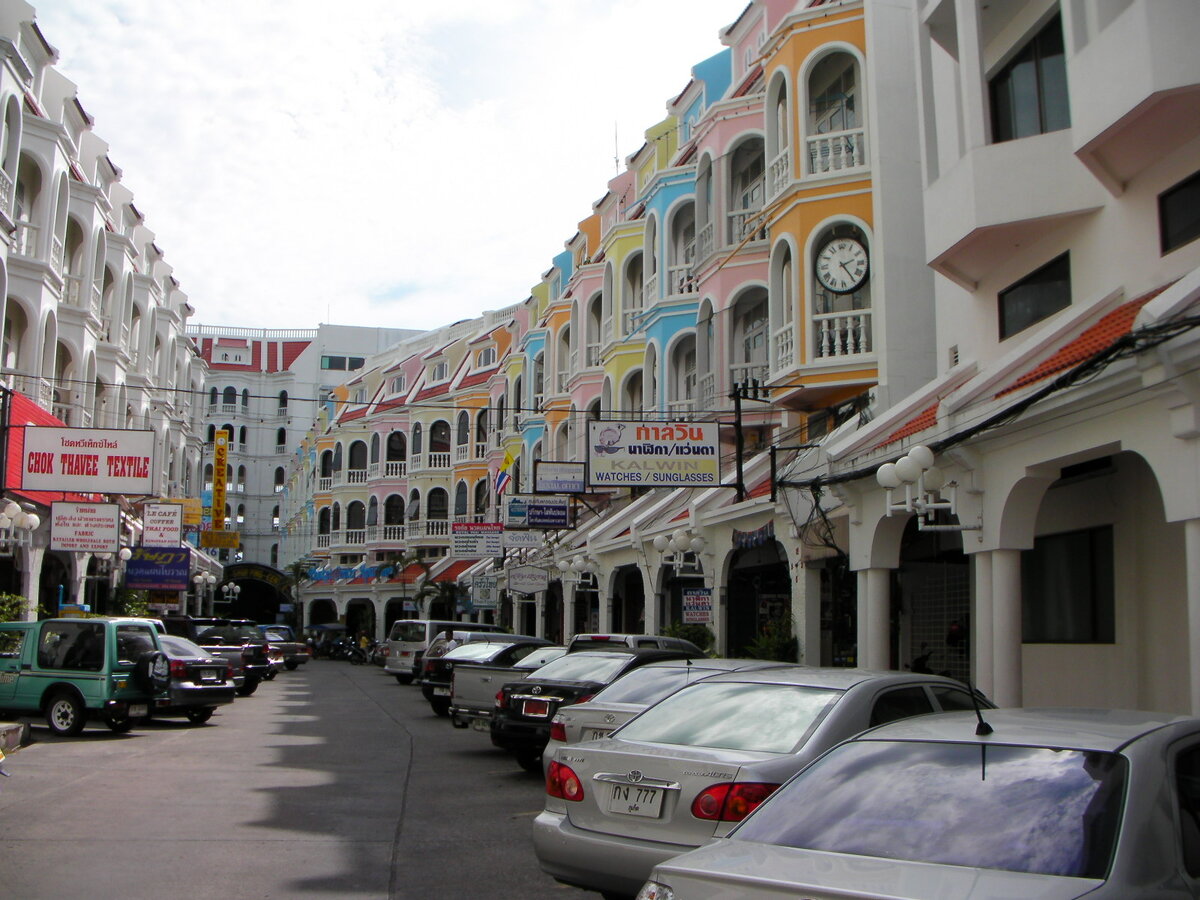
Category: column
[806,613]
[971,82]
[539,617]
[31,580]
[983,633]
[570,598]
[1006,616]
[877,653]
[605,603]
[1191,543]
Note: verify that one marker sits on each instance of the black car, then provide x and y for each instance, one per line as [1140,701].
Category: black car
[524,709]
[200,682]
[437,671]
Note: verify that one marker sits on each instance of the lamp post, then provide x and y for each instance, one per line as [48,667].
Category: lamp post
[230,591]
[204,582]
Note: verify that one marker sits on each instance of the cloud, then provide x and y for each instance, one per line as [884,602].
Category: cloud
[403,165]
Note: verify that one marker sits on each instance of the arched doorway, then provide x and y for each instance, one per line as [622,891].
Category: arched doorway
[360,618]
[931,604]
[759,597]
[321,612]
[263,594]
[629,601]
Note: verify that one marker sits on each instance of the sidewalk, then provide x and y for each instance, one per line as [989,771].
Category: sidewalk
[13,736]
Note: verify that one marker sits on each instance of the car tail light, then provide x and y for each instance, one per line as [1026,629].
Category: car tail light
[178,669]
[501,700]
[558,732]
[229,666]
[730,802]
[563,783]
[584,699]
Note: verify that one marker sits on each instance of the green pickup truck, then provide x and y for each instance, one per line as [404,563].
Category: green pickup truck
[75,670]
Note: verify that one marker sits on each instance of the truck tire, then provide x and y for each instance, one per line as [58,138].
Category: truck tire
[153,672]
[440,706]
[119,724]
[291,665]
[530,762]
[249,686]
[65,714]
[404,679]
[201,715]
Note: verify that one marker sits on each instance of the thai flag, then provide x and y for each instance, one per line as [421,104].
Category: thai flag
[503,477]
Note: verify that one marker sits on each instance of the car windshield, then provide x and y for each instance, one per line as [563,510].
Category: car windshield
[769,718]
[230,634]
[180,647]
[1021,809]
[649,684]
[576,667]
[478,650]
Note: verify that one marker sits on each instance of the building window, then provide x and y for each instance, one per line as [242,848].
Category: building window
[1067,588]
[1035,296]
[1179,214]
[1029,95]
[342,363]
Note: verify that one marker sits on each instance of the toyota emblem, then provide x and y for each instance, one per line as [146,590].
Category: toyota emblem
[635,776]
[535,690]
[609,718]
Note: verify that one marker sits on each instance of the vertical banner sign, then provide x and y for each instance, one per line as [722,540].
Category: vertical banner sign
[162,524]
[484,591]
[220,463]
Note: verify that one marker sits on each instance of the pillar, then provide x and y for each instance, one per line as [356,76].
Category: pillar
[874,604]
[1006,618]
[1191,543]
[806,613]
[983,633]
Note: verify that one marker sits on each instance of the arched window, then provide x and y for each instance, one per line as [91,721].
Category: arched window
[275,517]
[229,396]
[212,397]
[245,398]
[482,499]
[373,512]
[395,447]
[460,501]
[240,486]
[374,449]
[416,438]
[275,556]
[242,435]
[241,513]
[280,477]
[283,400]
[280,438]
[464,429]
[337,517]
[212,433]
[393,510]
[437,505]
[324,521]
[414,505]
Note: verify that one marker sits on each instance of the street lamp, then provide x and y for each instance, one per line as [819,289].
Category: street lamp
[230,591]
[204,582]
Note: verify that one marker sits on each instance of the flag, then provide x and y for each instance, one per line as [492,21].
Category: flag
[503,476]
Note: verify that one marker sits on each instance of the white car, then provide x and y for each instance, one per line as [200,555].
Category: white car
[696,763]
[1051,804]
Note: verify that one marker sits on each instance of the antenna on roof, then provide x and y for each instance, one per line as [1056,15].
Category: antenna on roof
[983,727]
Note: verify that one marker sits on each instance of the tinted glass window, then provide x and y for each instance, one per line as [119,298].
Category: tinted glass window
[473,651]
[1033,298]
[181,647]
[132,642]
[900,704]
[577,667]
[411,632]
[72,645]
[539,658]
[650,684]
[1029,95]
[1022,809]
[11,642]
[1179,214]
[773,718]
[950,699]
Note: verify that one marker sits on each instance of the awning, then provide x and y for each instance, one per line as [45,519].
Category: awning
[452,571]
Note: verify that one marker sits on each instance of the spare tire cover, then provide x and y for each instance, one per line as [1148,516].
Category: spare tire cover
[153,672]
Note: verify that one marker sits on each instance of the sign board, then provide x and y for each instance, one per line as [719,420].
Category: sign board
[485,591]
[653,454]
[158,569]
[85,527]
[220,540]
[220,465]
[697,606]
[559,477]
[164,601]
[523,540]
[162,524]
[88,460]
[528,579]
[193,512]
[476,539]
[529,511]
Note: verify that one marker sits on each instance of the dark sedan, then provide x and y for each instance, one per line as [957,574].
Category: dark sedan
[200,682]
[438,671]
[524,709]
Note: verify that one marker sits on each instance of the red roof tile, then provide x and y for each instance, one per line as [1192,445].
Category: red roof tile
[926,418]
[456,568]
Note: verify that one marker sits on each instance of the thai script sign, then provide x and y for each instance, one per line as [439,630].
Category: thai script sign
[476,539]
[162,524]
[697,606]
[559,477]
[528,579]
[484,591]
[524,540]
[86,527]
[220,540]
[528,511]
[88,460]
[158,569]
[653,454]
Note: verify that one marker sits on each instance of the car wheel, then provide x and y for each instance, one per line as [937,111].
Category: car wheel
[270,676]
[153,672]
[404,679]
[118,724]
[292,665]
[249,686]
[440,705]
[201,715]
[530,762]
[65,714]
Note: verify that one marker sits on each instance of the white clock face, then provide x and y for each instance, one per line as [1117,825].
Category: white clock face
[842,265]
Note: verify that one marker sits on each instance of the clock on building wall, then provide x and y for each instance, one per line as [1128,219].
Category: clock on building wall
[842,265]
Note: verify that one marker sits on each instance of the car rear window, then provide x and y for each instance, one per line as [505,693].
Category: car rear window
[481,650]
[181,647]
[410,632]
[649,684]
[72,645]
[1020,809]
[574,667]
[132,642]
[770,718]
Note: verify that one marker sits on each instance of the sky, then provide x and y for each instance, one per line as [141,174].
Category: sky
[372,162]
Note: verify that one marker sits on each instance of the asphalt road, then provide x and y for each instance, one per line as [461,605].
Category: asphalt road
[331,781]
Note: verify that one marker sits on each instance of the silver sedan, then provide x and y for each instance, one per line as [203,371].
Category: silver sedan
[693,765]
[1052,804]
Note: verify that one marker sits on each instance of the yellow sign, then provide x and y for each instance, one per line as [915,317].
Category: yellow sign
[220,540]
[193,511]
[220,464]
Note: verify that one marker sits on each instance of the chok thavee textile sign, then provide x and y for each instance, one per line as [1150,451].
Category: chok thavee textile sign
[653,454]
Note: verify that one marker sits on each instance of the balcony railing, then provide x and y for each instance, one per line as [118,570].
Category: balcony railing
[355,476]
[783,346]
[428,528]
[780,173]
[354,537]
[481,449]
[7,190]
[323,541]
[56,255]
[630,320]
[746,223]
[707,389]
[704,241]
[229,409]
[394,532]
[462,453]
[837,151]
[25,240]
[681,279]
[650,288]
[748,372]
[439,460]
[416,462]
[281,448]
[325,484]
[592,355]
[842,334]
[395,469]
[681,410]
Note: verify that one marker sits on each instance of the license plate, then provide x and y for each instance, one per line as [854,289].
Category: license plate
[210,675]
[632,800]
[540,708]
[138,709]
[591,734]
[481,724]
[441,692]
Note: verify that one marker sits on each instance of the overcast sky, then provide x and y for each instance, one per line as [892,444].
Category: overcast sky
[372,162]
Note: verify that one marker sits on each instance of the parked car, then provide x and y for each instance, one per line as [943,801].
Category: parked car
[240,644]
[521,718]
[408,639]
[438,671]
[200,682]
[608,641]
[691,766]
[1051,803]
[295,653]
[74,671]
[473,688]
[627,696]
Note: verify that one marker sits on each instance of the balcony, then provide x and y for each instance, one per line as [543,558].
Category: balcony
[592,355]
[481,449]
[707,389]
[783,345]
[681,410]
[837,152]
[428,528]
[462,453]
[630,320]
[779,175]
[681,279]
[439,460]
[25,239]
[416,462]
[354,537]
[746,373]
[746,224]
[325,484]
[842,334]
[395,469]
[355,476]
[705,241]
[323,541]
[7,190]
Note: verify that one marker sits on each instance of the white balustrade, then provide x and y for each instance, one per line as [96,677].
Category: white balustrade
[396,468]
[439,460]
[784,347]
[779,174]
[842,334]
[837,152]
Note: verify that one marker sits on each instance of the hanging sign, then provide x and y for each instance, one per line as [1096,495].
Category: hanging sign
[220,464]
[529,511]
[476,539]
[653,454]
[485,591]
[158,569]
[162,524]
[528,579]
[559,477]
[697,606]
[85,527]
[88,460]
